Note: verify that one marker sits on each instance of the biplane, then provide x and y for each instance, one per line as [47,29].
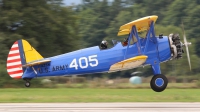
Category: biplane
[26,63]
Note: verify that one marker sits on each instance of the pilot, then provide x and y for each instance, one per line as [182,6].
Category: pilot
[104,44]
[125,43]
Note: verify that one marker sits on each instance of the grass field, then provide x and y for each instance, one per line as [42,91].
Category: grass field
[98,95]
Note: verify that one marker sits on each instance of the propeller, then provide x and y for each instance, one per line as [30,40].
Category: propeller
[186,44]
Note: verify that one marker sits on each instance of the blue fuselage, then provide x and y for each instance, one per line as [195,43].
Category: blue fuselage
[95,60]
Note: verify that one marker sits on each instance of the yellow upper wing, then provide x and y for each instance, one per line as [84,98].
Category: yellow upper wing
[141,24]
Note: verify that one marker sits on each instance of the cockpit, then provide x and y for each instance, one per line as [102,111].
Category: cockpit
[104,44]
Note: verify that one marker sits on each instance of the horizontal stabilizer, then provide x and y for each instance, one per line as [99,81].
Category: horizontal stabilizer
[128,63]
[36,63]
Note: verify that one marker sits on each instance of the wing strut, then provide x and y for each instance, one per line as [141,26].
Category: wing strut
[129,40]
[150,33]
[134,33]
[138,39]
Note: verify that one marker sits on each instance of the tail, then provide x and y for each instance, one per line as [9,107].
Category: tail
[20,54]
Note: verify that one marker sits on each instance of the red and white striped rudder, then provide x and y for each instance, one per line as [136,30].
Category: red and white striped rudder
[14,62]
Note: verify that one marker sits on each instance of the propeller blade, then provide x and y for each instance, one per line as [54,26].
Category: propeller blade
[186,46]
[187,50]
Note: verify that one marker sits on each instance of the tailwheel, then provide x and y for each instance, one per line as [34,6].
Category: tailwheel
[27,84]
[159,82]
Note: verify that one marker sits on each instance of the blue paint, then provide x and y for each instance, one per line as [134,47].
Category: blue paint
[21,50]
[159,82]
[129,40]
[157,50]
[156,67]
[23,60]
[138,38]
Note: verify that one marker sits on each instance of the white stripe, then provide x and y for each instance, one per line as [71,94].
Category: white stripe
[15,75]
[14,48]
[13,57]
[14,69]
[15,45]
[13,52]
[14,63]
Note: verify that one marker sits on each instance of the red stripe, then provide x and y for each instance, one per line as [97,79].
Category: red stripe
[15,54]
[16,42]
[15,72]
[14,60]
[14,48]
[17,77]
[14,66]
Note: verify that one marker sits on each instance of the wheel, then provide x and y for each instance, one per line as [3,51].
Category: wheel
[27,84]
[158,82]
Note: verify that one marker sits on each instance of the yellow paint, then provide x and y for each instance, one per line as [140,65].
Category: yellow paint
[123,32]
[129,63]
[36,63]
[30,53]
[133,59]
[141,24]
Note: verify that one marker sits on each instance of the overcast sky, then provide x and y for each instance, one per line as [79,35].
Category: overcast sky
[70,2]
[75,2]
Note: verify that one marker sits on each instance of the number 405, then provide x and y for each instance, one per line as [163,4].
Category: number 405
[91,60]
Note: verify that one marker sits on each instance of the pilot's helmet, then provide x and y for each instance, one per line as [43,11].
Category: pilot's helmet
[104,42]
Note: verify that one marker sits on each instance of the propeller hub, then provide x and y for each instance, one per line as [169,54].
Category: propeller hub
[187,43]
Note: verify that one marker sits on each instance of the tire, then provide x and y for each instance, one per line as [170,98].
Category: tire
[27,84]
[158,83]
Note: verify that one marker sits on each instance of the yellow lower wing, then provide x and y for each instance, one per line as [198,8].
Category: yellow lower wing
[128,63]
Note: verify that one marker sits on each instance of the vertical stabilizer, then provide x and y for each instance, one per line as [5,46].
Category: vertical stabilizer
[20,54]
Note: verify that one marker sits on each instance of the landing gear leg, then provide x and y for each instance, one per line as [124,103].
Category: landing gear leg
[158,82]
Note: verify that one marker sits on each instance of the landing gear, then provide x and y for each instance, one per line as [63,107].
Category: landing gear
[27,83]
[158,82]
